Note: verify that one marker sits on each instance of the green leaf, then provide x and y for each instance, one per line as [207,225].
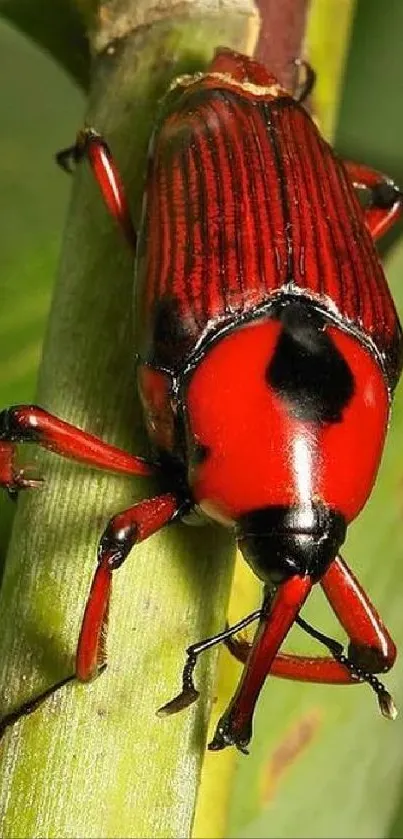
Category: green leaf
[32,202]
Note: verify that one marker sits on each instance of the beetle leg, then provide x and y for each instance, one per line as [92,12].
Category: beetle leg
[91,145]
[189,694]
[371,649]
[31,705]
[235,726]
[385,199]
[123,531]
[31,424]
[321,669]
[371,646]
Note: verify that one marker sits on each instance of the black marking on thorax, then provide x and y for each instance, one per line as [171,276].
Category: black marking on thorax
[307,370]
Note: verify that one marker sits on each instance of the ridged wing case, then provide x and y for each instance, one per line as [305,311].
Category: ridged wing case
[247,205]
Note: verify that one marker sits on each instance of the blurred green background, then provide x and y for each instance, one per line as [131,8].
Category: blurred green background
[339,769]
[41,109]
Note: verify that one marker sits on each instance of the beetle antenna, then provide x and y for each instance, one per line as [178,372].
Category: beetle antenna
[386,704]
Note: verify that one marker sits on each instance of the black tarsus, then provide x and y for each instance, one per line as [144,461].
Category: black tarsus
[385,194]
[189,694]
[334,647]
[69,157]
[385,701]
[381,196]
[32,705]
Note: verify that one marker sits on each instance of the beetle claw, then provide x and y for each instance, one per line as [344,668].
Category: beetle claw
[226,735]
[179,703]
[21,482]
[387,706]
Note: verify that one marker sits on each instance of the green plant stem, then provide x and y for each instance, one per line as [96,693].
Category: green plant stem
[95,760]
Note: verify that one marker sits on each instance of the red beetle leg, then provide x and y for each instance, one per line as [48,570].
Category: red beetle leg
[321,669]
[235,726]
[91,145]
[31,424]
[371,646]
[385,198]
[123,531]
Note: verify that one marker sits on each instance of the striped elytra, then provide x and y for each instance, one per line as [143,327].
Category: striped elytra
[246,203]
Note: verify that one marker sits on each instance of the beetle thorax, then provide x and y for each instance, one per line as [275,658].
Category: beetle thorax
[286,415]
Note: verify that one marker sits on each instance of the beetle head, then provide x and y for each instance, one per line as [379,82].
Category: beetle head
[279,542]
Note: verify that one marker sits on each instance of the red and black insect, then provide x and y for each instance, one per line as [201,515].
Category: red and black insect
[269,349]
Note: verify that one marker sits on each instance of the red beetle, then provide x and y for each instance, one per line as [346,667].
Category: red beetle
[269,349]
